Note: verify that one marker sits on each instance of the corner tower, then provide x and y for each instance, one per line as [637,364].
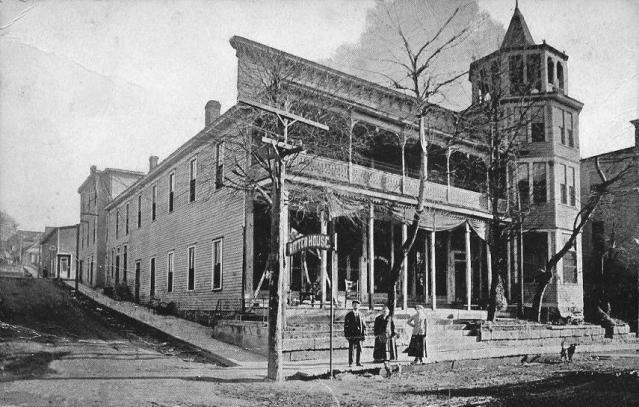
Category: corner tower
[529,81]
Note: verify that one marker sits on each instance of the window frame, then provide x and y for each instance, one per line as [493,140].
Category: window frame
[126,219]
[190,268]
[152,272]
[563,184]
[139,211]
[170,271]
[171,192]
[154,202]
[571,270]
[193,179]
[220,251]
[219,165]
[535,188]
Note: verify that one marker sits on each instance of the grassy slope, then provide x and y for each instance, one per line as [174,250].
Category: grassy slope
[48,307]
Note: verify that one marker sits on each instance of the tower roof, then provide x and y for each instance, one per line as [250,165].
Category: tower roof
[518,34]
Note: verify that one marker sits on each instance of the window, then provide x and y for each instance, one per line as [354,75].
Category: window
[571,187]
[95,228]
[560,75]
[107,226]
[154,198]
[533,70]
[192,178]
[551,72]
[112,262]
[539,182]
[117,267]
[91,271]
[139,211]
[117,223]
[219,172]
[126,220]
[538,126]
[125,263]
[568,124]
[535,254]
[563,183]
[516,74]
[570,264]
[562,125]
[152,277]
[216,270]
[191,273]
[169,276]
[523,183]
[171,190]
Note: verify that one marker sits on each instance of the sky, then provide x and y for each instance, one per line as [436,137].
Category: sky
[108,83]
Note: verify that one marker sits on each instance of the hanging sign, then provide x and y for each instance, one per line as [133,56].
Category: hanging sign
[316,241]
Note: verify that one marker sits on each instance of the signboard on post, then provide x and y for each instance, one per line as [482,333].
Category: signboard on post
[314,241]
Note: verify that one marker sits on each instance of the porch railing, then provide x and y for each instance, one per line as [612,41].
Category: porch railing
[371,178]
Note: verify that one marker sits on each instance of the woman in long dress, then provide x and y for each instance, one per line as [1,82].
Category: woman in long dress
[417,346]
[385,347]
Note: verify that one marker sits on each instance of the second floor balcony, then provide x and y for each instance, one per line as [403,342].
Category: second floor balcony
[392,182]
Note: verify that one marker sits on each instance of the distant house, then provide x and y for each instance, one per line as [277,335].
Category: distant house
[58,252]
[17,245]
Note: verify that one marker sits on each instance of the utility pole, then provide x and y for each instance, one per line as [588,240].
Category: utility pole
[279,232]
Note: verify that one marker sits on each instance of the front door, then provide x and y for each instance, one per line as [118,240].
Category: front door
[137,281]
[64,266]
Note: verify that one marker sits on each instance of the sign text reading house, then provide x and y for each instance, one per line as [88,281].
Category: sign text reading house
[316,241]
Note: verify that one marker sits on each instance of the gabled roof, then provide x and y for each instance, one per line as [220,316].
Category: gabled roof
[518,34]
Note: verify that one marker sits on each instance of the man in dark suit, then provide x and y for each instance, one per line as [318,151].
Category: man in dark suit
[354,331]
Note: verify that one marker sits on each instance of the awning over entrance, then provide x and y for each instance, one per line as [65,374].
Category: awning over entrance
[437,221]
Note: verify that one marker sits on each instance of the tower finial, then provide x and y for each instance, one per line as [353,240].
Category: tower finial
[516,3]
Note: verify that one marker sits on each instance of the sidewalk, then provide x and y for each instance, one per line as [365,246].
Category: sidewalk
[243,364]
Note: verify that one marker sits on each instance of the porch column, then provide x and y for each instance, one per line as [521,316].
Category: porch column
[362,286]
[469,279]
[508,270]
[481,270]
[334,263]
[404,269]
[489,269]
[324,231]
[426,277]
[432,269]
[371,256]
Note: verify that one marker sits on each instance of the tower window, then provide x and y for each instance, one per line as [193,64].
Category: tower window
[568,123]
[533,69]
[560,75]
[523,176]
[563,184]
[539,182]
[538,126]
[551,72]
[516,73]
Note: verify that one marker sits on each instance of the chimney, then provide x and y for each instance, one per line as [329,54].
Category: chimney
[153,162]
[211,111]
[636,124]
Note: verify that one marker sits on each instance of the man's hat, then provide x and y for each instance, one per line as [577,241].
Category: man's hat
[355,302]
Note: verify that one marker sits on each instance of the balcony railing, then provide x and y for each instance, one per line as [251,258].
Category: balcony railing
[384,181]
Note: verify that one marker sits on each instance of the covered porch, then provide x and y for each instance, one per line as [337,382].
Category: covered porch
[448,267]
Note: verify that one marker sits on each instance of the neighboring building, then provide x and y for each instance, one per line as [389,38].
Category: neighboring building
[95,193]
[185,233]
[58,251]
[611,239]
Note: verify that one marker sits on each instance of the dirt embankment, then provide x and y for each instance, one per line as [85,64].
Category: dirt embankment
[50,311]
